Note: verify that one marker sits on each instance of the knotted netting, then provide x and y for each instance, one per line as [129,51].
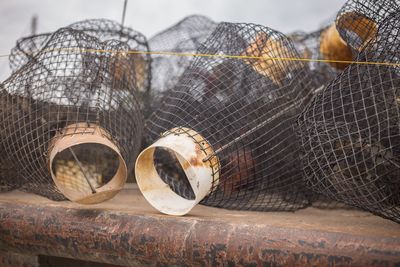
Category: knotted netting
[350,133]
[70,115]
[229,122]
[358,21]
[176,45]
[104,30]
[309,47]
[26,48]
[333,47]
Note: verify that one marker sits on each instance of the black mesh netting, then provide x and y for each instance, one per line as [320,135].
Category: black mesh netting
[70,82]
[351,130]
[245,108]
[358,20]
[312,46]
[334,46]
[26,49]
[183,38]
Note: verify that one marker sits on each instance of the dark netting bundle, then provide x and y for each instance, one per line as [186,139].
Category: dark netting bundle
[70,119]
[181,40]
[351,131]
[227,128]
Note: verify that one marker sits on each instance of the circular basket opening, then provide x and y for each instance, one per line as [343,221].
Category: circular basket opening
[171,172]
[86,166]
[174,173]
[358,28]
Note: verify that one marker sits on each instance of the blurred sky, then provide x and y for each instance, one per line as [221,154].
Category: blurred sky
[152,16]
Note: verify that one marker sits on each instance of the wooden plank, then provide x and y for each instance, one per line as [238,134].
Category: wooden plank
[127,231]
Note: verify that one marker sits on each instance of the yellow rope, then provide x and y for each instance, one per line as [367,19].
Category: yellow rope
[220,56]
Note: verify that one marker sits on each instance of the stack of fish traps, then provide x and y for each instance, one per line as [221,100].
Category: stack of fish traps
[234,115]
[71,121]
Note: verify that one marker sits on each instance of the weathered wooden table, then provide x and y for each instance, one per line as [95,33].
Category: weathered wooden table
[127,231]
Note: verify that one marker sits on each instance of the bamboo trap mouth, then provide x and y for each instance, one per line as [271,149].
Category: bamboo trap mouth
[78,157]
[333,47]
[268,51]
[189,149]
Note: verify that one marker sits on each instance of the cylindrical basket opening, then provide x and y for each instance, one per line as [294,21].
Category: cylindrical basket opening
[359,28]
[171,171]
[334,48]
[184,152]
[86,166]
[266,49]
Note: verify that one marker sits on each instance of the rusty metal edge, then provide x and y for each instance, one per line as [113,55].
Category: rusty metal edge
[119,238]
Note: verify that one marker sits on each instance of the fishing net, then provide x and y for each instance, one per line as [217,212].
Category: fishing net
[351,131]
[70,114]
[333,47]
[26,49]
[227,127]
[358,21]
[310,46]
[182,40]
